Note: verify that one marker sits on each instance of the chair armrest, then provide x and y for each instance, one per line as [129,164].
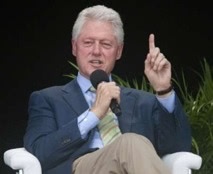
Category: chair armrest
[182,162]
[20,158]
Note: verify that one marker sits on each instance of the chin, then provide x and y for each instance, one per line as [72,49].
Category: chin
[95,68]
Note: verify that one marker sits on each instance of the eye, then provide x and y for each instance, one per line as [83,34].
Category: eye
[88,43]
[106,45]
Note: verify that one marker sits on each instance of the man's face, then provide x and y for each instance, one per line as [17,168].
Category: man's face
[96,47]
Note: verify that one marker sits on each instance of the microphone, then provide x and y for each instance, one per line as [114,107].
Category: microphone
[99,76]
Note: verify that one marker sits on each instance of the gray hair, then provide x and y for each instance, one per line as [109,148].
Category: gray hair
[102,13]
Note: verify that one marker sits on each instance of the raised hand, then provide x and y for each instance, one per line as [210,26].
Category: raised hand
[157,67]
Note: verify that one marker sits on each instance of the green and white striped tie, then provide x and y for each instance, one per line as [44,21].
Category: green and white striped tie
[108,128]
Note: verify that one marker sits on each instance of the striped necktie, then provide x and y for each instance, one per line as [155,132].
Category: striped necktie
[108,127]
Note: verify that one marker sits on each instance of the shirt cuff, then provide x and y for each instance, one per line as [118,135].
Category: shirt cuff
[168,102]
[87,121]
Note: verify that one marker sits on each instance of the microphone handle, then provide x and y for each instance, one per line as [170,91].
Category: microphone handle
[115,107]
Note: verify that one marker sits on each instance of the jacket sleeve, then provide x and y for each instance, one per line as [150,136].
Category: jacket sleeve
[172,130]
[44,138]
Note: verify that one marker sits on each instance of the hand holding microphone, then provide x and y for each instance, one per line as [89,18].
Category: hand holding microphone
[107,95]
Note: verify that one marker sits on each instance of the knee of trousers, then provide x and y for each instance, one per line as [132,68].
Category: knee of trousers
[133,140]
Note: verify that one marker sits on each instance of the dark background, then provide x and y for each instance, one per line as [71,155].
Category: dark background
[35,37]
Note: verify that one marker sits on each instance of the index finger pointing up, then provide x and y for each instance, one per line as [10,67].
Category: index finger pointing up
[151,42]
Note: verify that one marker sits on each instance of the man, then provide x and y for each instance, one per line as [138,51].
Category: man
[64,129]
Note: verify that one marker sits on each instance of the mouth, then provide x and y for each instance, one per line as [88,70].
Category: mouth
[96,62]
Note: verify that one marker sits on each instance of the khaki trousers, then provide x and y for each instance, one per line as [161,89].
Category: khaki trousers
[128,154]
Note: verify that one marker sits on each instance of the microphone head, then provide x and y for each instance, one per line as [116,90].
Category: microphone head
[97,77]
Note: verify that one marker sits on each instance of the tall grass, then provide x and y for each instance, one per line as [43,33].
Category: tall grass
[199,108]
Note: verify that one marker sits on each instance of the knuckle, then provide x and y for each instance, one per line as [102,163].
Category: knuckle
[157,49]
[113,83]
[117,88]
[161,55]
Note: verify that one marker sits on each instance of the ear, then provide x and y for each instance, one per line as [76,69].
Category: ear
[74,47]
[119,51]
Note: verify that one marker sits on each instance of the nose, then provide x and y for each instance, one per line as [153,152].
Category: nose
[96,49]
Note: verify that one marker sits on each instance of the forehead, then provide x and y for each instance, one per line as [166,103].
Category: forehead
[96,28]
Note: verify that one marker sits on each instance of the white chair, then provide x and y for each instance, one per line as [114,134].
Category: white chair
[23,161]
[182,162]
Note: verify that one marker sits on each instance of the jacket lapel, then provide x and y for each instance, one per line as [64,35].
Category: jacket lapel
[74,97]
[127,108]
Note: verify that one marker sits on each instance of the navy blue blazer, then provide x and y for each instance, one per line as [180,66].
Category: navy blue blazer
[53,136]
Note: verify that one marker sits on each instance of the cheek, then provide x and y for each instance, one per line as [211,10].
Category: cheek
[84,50]
[81,63]
[110,62]
[81,51]
[112,56]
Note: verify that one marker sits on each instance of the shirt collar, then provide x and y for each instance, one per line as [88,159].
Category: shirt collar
[85,83]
